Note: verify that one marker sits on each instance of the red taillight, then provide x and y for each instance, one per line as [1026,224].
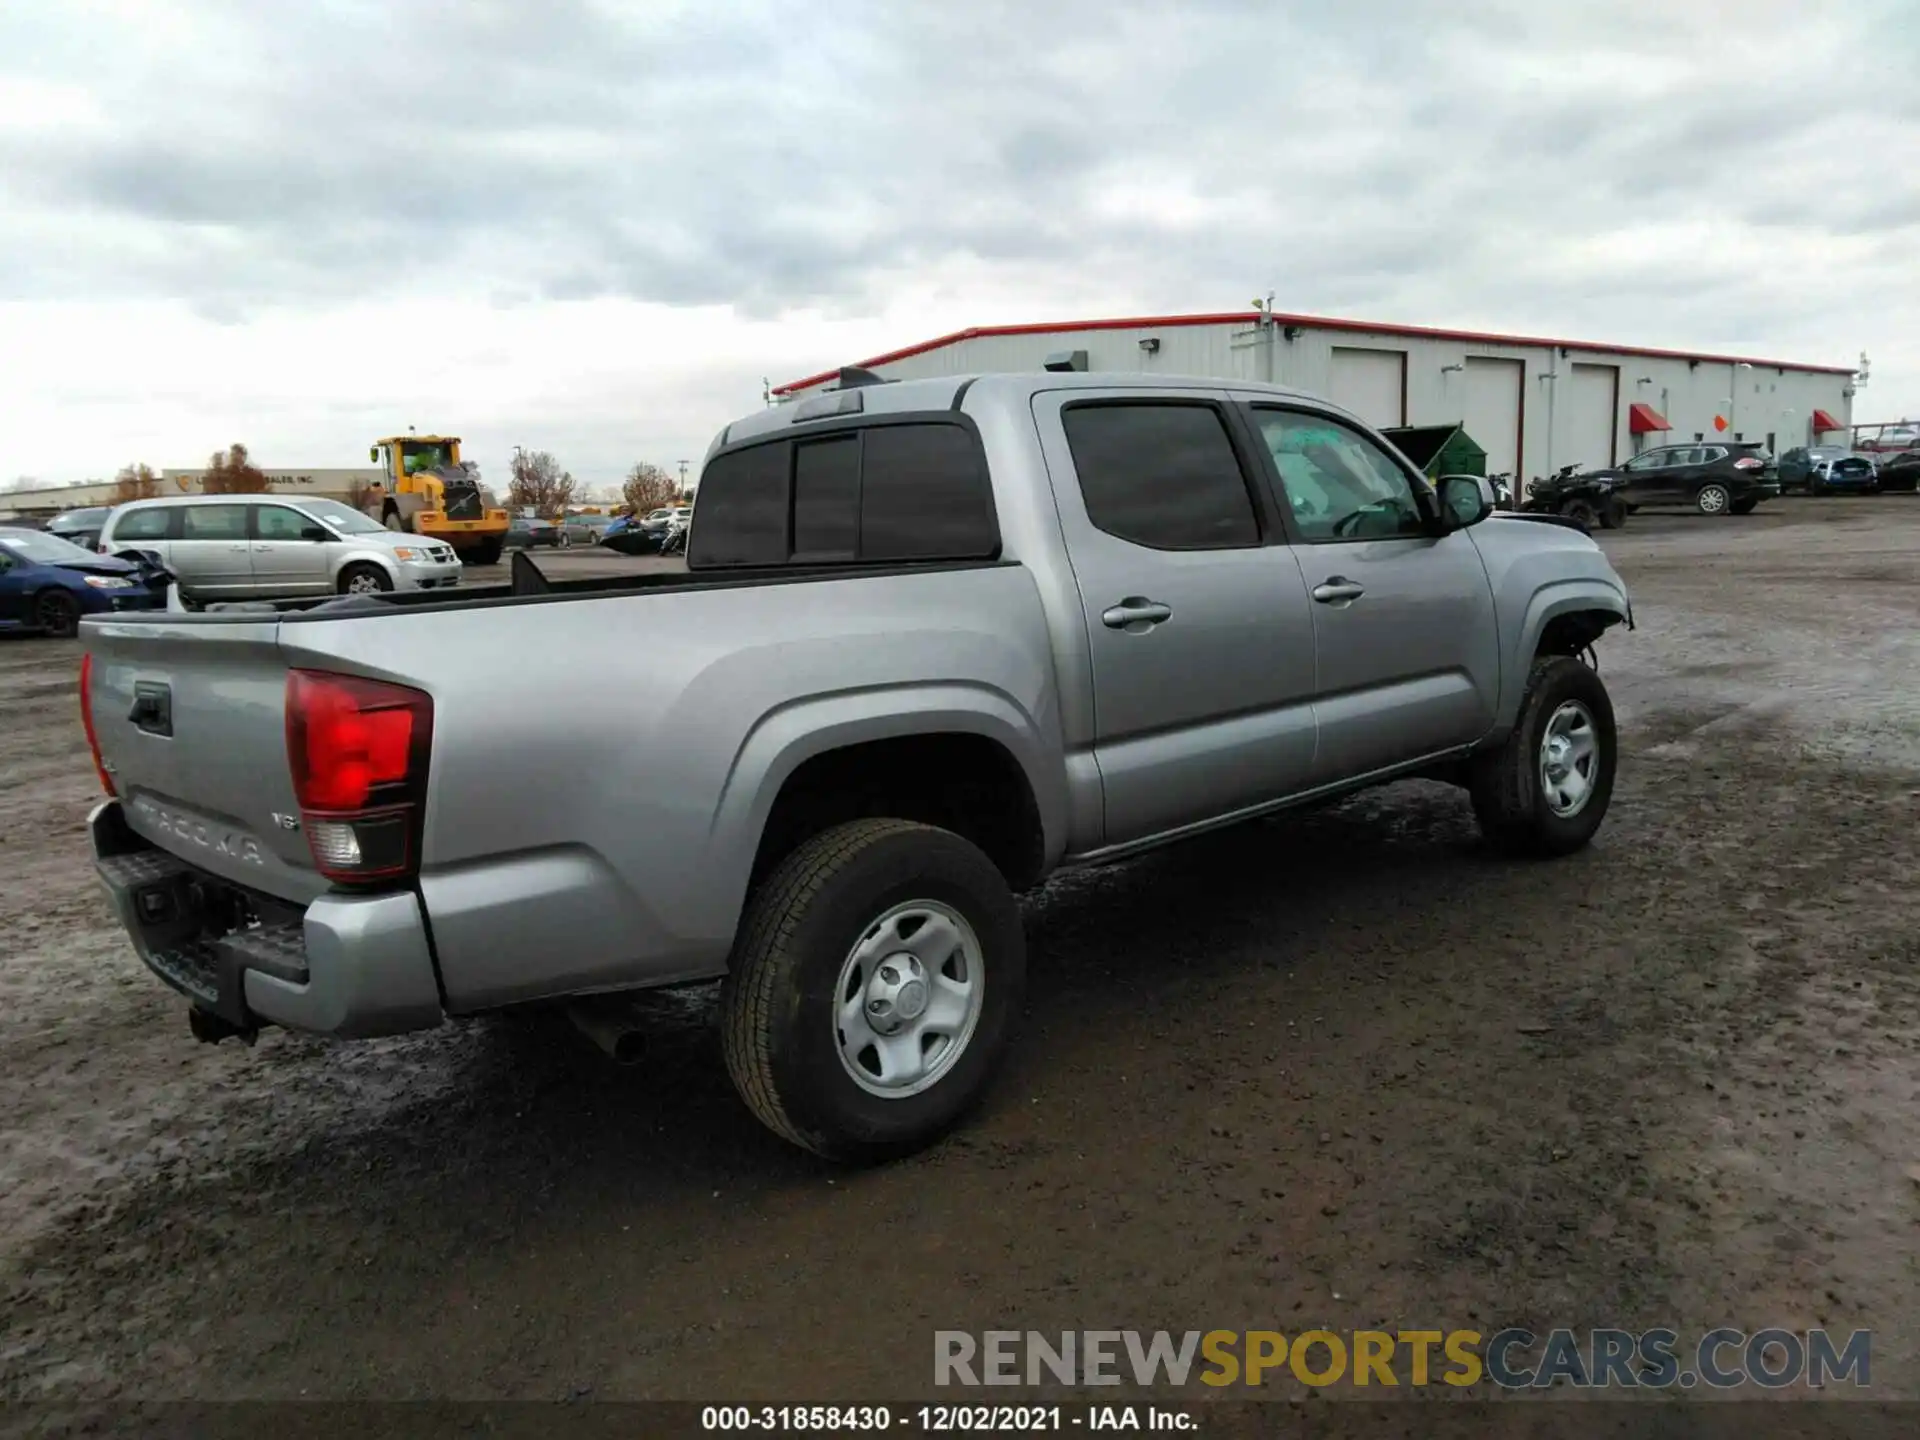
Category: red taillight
[86,723]
[358,750]
[1747,462]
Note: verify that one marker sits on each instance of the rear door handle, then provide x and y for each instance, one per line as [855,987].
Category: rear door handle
[1136,615]
[1338,591]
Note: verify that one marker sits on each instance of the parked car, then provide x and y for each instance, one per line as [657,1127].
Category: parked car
[1900,472]
[82,527]
[1797,465]
[47,583]
[1715,477]
[634,537]
[1844,473]
[584,529]
[527,533]
[273,547]
[949,636]
[1889,438]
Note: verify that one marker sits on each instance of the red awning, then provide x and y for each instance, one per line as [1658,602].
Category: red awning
[1644,419]
[1823,422]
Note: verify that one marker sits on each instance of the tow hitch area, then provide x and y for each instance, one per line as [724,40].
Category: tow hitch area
[213,1029]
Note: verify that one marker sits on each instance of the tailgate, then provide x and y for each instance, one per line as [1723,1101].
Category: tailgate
[190,716]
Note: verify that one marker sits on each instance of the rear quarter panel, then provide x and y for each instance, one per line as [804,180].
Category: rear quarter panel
[602,768]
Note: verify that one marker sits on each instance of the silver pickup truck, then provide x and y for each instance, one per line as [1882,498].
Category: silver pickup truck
[935,639]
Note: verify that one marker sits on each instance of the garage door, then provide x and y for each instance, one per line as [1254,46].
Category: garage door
[1493,412]
[1590,423]
[1370,383]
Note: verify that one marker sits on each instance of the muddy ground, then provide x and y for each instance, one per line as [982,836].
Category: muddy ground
[1344,1070]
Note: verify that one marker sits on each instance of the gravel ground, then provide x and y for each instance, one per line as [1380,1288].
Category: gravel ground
[1343,1070]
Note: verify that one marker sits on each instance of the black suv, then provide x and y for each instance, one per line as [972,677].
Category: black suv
[1715,477]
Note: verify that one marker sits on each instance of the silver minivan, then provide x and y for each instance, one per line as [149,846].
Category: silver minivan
[273,547]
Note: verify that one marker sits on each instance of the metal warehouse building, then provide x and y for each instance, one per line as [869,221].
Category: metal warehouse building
[1533,404]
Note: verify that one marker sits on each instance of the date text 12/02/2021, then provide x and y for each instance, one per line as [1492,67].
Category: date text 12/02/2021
[943,1419]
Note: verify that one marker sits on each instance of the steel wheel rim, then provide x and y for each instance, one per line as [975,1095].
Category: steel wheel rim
[1713,499]
[362,584]
[1569,759]
[909,998]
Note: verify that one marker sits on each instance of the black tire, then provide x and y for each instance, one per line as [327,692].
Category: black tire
[1745,507]
[780,1031]
[487,552]
[1582,513]
[57,613]
[396,520]
[1613,515]
[364,579]
[1712,498]
[1509,799]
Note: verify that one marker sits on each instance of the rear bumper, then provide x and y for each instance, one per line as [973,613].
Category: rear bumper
[348,965]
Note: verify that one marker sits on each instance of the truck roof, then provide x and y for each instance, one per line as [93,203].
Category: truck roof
[945,392]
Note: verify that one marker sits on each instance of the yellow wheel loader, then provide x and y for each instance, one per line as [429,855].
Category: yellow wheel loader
[427,491]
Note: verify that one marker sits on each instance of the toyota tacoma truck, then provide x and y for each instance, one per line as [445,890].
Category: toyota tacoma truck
[934,640]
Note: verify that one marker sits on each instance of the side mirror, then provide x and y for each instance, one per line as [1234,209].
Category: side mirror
[373,453]
[1464,500]
[315,532]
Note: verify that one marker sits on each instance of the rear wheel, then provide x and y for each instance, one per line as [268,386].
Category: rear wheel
[487,552]
[1613,515]
[57,613]
[1546,790]
[873,989]
[1712,499]
[364,579]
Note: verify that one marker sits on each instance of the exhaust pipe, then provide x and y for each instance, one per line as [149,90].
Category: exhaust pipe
[613,1025]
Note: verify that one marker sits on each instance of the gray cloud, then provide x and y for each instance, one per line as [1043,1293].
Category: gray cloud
[1422,163]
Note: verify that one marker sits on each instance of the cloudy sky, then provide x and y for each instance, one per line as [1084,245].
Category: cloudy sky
[594,226]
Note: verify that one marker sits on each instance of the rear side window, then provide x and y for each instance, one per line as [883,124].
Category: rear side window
[213,522]
[1163,475]
[143,524]
[877,494]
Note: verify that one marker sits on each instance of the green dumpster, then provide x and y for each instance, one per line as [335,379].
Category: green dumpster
[1439,449]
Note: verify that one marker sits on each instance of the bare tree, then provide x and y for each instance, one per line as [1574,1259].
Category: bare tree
[648,487]
[135,482]
[539,484]
[233,472]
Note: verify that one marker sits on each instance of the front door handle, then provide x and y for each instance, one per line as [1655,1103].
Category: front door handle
[1136,615]
[1338,591]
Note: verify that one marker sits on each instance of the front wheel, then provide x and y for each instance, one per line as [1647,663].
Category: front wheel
[1546,790]
[875,985]
[364,579]
[1613,515]
[1582,513]
[1712,500]
[487,552]
[57,613]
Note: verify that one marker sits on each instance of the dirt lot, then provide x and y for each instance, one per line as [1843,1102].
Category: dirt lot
[1344,1070]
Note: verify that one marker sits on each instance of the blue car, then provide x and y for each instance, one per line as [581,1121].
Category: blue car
[47,583]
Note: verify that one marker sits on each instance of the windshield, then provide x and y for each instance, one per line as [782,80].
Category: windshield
[77,519]
[344,518]
[419,457]
[43,548]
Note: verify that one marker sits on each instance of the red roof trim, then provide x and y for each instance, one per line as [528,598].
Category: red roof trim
[1318,322]
[1824,422]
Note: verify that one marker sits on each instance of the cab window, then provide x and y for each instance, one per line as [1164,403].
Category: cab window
[1338,484]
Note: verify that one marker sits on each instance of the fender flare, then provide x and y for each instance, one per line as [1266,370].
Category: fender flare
[784,739]
[1562,597]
